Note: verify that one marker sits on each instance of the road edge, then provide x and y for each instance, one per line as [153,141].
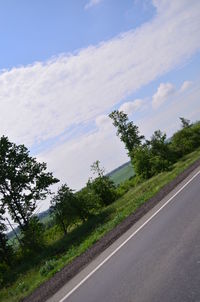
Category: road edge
[51,286]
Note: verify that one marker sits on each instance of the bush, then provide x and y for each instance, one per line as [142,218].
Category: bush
[47,267]
[104,188]
[102,185]
[22,287]
[186,140]
[32,236]
[153,157]
[87,202]
[4,269]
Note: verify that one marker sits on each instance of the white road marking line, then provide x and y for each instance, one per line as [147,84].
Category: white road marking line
[122,244]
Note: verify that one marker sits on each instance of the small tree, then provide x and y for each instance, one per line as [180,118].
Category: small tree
[87,203]
[33,235]
[142,161]
[102,185]
[63,208]
[127,131]
[23,181]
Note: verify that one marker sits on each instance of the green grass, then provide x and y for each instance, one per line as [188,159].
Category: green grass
[122,173]
[62,250]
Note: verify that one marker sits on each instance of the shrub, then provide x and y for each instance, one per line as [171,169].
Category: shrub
[22,287]
[47,267]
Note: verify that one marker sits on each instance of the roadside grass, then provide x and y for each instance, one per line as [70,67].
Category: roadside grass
[61,250]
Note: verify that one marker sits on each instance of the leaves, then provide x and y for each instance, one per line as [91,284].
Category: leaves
[127,131]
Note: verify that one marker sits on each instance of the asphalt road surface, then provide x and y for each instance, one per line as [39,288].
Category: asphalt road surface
[160,263]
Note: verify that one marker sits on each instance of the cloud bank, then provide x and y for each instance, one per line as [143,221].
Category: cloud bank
[41,101]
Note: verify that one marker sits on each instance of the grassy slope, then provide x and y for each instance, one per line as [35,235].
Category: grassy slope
[122,174]
[84,236]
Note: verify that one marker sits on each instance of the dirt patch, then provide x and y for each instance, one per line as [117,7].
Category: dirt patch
[50,287]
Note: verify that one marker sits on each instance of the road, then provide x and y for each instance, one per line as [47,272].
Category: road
[159,263]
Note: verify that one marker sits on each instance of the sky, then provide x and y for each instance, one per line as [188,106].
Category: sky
[65,65]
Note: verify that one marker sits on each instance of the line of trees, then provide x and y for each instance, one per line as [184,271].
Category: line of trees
[68,207]
[150,157]
[24,182]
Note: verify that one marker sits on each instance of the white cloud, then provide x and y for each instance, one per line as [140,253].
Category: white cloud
[92,3]
[185,85]
[71,161]
[103,121]
[162,94]
[41,101]
[131,107]
[184,104]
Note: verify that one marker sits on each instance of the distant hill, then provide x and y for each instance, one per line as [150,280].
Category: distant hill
[122,173]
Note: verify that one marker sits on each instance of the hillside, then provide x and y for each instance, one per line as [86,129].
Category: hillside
[122,173]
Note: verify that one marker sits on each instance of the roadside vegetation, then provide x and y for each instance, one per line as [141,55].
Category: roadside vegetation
[78,219]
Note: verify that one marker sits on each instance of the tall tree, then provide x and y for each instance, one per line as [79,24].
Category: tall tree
[126,130]
[23,181]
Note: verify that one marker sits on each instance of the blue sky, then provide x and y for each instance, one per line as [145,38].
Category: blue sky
[65,65]
[37,30]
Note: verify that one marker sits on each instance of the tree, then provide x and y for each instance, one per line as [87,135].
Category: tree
[154,156]
[127,131]
[63,208]
[142,161]
[23,182]
[186,140]
[102,185]
[5,249]
[87,203]
[185,123]
[33,235]
[161,148]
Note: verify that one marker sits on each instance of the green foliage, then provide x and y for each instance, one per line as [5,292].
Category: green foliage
[153,157]
[33,236]
[102,185]
[186,140]
[127,131]
[4,270]
[6,252]
[63,208]
[87,203]
[184,122]
[23,181]
[22,287]
[142,161]
[47,267]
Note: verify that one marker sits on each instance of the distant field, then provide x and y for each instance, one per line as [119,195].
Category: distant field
[122,173]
